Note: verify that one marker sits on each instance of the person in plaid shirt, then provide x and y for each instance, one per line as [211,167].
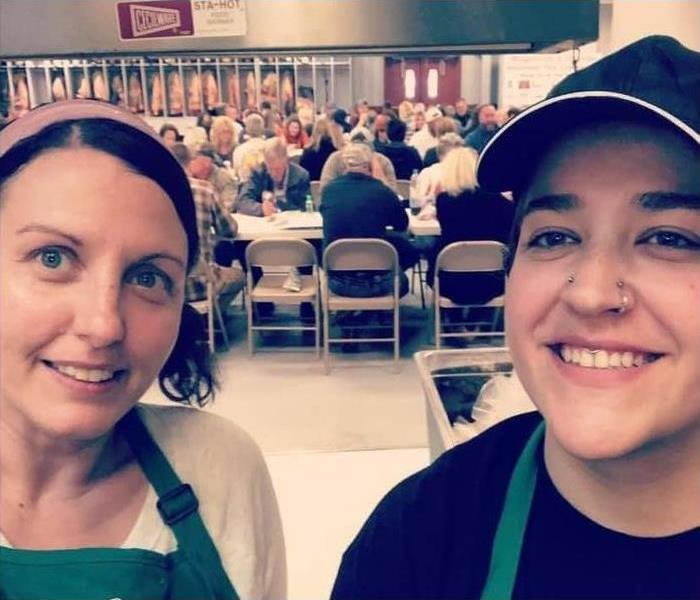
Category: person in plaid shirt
[213,223]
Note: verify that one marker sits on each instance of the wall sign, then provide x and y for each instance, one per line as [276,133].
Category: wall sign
[177,18]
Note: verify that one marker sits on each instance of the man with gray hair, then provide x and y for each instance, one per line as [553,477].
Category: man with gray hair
[382,168]
[357,205]
[277,185]
[254,135]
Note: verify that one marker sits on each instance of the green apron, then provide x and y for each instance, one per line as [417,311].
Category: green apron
[508,541]
[193,571]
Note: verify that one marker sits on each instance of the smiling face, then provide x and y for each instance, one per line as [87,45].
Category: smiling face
[611,204]
[92,256]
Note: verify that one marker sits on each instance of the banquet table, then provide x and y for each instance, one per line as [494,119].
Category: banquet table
[308,226]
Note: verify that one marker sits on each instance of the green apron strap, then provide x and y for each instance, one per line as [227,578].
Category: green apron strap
[508,541]
[178,507]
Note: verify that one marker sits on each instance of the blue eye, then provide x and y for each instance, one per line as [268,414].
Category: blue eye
[148,277]
[51,258]
[551,239]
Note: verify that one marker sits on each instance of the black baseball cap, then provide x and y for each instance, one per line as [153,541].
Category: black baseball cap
[655,79]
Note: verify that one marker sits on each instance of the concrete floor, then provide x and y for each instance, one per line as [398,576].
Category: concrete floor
[335,444]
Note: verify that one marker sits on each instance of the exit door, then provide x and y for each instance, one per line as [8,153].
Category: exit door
[431,80]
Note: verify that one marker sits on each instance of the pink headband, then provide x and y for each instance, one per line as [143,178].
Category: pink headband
[67,110]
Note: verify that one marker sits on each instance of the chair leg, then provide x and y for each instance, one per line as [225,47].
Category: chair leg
[222,324]
[438,327]
[326,343]
[210,327]
[420,282]
[251,333]
[397,336]
[317,327]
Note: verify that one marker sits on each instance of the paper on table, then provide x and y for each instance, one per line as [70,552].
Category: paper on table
[295,219]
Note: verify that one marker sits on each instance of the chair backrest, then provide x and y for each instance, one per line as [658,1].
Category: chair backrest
[403,188]
[471,256]
[315,189]
[360,254]
[280,252]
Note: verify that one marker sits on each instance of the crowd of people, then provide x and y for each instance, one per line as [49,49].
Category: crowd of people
[593,495]
[259,163]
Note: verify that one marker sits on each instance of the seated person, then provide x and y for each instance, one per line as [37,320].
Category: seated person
[224,138]
[213,223]
[405,158]
[278,185]
[596,495]
[443,126]
[430,178]
[326,138]
[466,213]
[203,166]
[254,138]
[169,134]
[357,205]
[382,169]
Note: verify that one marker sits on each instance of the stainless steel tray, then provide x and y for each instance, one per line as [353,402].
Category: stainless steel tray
[462,363]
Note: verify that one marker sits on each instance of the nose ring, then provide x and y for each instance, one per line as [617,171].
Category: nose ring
[624,298]
[571,278]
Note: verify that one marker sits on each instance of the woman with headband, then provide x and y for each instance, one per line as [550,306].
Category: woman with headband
[103,497]
[596,495]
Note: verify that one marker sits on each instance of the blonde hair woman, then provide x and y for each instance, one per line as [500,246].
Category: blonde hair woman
[326,138]
[223,135]
[467,213]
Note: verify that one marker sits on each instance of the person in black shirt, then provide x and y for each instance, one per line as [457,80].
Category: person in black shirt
[597,494]
[357,205]
[468,213]
[405,158]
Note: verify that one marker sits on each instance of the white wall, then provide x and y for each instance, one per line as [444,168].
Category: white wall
[368,79]
[634,19]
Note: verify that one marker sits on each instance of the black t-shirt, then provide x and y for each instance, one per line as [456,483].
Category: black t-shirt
[431,537]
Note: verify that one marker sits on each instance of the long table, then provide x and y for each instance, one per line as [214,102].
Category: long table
[308,226]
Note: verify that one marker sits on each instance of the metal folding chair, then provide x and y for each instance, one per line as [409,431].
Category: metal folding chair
[467,257]
[276,256]
[359,254]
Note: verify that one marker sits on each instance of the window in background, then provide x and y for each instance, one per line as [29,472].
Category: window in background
[432,83]
[410,84]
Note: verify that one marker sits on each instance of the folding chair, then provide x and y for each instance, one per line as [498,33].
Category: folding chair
[359,254]
[467,257]
[210,307]
[276,256]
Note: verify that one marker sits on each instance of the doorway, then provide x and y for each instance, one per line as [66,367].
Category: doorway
[430,80]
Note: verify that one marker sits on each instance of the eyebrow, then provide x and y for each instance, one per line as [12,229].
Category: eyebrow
[555,202]
[37,228]
[163,255]
[658,201]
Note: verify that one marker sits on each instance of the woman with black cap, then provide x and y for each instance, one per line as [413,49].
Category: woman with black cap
[103,497]
[596,495]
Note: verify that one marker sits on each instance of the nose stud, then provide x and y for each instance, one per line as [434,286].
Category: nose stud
[624,297]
